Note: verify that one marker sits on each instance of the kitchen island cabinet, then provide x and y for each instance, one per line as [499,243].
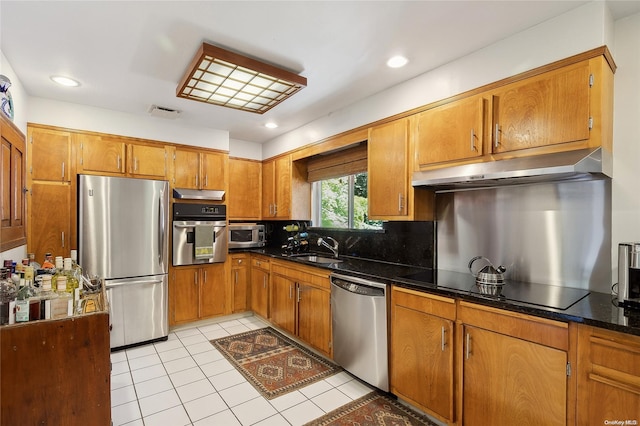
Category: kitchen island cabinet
[300,303]
[260,285]
[422,351]
[608,377]
[197,292]
[56,372]
[512,366]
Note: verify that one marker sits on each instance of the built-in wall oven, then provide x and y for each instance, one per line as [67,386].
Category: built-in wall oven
[199,233]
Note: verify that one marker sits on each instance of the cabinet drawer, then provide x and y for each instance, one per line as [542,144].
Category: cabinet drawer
[301,273]
[261,263]
[615,351]
[443,307]
[239,259]
[546,332]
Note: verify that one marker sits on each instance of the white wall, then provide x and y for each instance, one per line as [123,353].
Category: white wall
[244,149]
[574,32]
[626,136]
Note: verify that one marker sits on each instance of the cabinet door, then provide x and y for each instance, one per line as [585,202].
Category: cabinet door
[314,317]
[422,359]
[452,131]
[187,169]
[184,294]
[49,219]
[148,161]
[213,294]
[283,303]
[214,167]
[239,284]
[50,155]
[388,177]
[268,189]
[282,180]
[12,184]
[260,292]
[245,181]
[544,110]
[506,378]
[100,154]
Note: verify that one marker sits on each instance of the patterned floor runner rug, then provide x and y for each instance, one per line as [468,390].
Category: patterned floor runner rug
[272,362]
[374,409]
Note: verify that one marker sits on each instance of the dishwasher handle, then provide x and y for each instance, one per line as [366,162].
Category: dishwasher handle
[358,286]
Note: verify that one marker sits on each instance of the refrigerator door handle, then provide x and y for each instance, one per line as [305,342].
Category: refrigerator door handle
[119,283]
[162,222]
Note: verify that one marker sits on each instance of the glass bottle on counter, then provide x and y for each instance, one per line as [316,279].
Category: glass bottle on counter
[48,262]
[7,297]
[62,304]
[72,278]
[46,296]
[59,271]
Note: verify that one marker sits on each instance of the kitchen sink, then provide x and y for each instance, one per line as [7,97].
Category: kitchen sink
[319,259]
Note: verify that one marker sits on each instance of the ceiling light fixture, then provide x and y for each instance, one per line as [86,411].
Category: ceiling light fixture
[64,81]
[397,62]
[225,78]
[271,125]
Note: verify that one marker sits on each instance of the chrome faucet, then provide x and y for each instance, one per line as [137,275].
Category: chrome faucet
[334,249]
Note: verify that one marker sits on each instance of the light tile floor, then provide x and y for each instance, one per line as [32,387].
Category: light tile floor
[186,381]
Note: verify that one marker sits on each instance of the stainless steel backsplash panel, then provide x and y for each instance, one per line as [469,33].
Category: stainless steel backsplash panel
[551,233]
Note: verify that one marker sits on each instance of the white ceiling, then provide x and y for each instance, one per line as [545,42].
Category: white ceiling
[129,55]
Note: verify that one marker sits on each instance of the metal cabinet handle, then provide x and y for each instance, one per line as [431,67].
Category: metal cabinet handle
[473,137]
[443,339]
[264,282]
[236,277]
[205,275]
[62,237]
[496,138]
[135,164]
[468,351]
[299,291]
[275,209]
[195,277]
[290,291]
[400,204]
[118,162]
[206,180]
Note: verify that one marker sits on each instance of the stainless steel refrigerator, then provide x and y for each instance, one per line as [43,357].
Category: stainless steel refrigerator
[123,238]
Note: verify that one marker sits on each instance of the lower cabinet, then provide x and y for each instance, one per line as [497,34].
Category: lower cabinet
[608,377]
[513,368]
[259,283]
[422,351]
[239,282]
[197,292]
[301,303]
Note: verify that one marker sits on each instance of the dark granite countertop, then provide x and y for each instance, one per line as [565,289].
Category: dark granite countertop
[597,309]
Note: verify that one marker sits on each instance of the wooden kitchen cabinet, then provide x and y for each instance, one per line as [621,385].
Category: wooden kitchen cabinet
[549,109]
[51,201]
[200,169]
[197,292]
[260,285]
[450,132]
[422,351]
[300,303]
[286,194]
[239,282]
[608,376]
[513,366]
[13,230]
[244,201]
[147,161]
[390,193]
[101,154]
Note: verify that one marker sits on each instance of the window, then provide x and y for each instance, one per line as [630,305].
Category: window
[341,202]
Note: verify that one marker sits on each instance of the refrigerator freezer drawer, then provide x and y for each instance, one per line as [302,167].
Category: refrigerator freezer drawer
[138,310]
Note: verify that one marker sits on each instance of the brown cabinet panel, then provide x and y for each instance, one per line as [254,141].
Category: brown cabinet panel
[101,154]
[260,292]
[283,303]
[147,161]
[239,282]
[268,189]
[187,169]
[12,187]
[213,294]
[314,317]
[506,378]
[184,294]
[214,169]
[245,182]
[50,154]
[453,131]
[544,110]
[49,222]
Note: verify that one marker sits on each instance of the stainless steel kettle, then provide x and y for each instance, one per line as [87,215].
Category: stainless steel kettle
[489,275]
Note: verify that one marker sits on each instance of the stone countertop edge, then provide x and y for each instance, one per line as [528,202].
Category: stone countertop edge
[596,309]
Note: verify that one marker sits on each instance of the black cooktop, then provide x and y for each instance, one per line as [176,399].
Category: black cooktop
[550,296]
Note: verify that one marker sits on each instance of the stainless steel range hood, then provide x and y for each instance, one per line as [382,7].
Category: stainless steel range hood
[584,164]
[198,194]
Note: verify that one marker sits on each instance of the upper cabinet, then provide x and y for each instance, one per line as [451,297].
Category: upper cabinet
[286,194]
[245,182]
[12,186]
[147,161]
[563,106]
[390,194]
[200,169]
[51,154]
[453,131]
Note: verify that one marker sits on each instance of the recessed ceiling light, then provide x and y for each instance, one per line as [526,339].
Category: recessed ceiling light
[397,62]
[65,81]
[271,125]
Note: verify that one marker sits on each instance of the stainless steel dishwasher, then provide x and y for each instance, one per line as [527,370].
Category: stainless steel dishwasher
[359,319]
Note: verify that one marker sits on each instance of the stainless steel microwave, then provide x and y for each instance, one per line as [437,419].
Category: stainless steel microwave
[246,235]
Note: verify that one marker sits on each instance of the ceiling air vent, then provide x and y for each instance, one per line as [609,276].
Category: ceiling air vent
[163,112]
